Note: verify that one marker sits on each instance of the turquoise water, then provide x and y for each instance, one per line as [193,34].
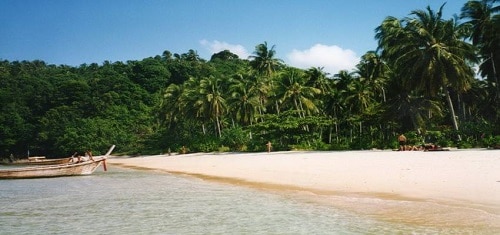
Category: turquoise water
[124,201]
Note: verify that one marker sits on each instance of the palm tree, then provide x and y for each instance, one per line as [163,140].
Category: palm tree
[317,78]
[342,80]
[429,52]
[242,103]
[372,69]
[192,102]
[477,101]
[337,98]
[411,107]
[210,102]
[260,87]
[360,95]
[484,19]
[485,22]
[172,105]
[263,60]
[292,93]
[360,100]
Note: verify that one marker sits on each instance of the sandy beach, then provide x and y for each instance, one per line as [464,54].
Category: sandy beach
[461,178]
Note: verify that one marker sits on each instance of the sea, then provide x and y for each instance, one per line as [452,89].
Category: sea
[135,201]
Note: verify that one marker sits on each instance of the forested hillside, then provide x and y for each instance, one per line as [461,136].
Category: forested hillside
[420,84]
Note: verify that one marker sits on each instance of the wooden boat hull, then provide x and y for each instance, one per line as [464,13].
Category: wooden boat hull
[69,169]
[42,161]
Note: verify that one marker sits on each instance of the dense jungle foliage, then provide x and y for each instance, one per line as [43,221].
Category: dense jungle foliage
[419,81]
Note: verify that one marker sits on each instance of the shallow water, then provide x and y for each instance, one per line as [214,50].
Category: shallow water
[124,201]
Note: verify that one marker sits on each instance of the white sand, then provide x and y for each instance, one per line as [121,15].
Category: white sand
[463,177]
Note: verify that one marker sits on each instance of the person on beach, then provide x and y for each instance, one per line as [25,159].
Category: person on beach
[76,158]
[268,145]
[88,155]
[402,142]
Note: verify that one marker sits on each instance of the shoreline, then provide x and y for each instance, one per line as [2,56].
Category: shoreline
[467,180]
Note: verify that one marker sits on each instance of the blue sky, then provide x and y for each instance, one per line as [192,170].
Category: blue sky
[313,33]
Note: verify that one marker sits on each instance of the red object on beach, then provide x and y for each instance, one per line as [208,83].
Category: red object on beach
[104,165]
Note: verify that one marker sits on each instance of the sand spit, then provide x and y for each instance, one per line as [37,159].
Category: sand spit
[461,176]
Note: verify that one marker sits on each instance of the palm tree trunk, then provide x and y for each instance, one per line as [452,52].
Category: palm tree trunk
[383,94]
[496,76]
[330,135]
[464,110]
[452,111]
[360,128]
[218,126]
[297,107]
[261,104]
[301,110]
[337,132]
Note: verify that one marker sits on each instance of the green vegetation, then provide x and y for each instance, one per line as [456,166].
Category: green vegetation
[420,81]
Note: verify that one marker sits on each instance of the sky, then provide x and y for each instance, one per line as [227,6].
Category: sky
[332,34]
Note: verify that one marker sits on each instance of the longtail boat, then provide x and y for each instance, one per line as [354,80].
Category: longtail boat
[76,167]
[40,161]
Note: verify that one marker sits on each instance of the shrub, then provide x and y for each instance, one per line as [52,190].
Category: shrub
[223,149]
[235,138]
[492,141]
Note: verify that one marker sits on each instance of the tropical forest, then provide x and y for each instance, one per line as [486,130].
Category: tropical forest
[435,80]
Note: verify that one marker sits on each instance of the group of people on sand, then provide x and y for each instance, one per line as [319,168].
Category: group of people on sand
[411,148]
[424,147]
[77,158]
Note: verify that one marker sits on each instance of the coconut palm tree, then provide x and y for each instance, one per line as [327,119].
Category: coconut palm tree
[360,95]
[429,52]
[336,104]
[243,104]
[318,78]
[484,19]
[342,80]
[263,60]
[372,69]
[411,107]
[211,103]
[292,93]
[192,102]
[260,87]
[172,105]
[477,101]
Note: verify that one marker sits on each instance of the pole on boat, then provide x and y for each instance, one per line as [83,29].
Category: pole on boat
[107,154]
[110,150]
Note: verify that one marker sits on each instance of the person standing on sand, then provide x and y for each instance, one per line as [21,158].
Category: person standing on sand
[402,142]
[268,146]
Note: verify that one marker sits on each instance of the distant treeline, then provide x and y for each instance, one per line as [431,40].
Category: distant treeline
[420,81]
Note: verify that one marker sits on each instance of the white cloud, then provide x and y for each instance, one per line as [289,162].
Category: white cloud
[332,58]
[217,46]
